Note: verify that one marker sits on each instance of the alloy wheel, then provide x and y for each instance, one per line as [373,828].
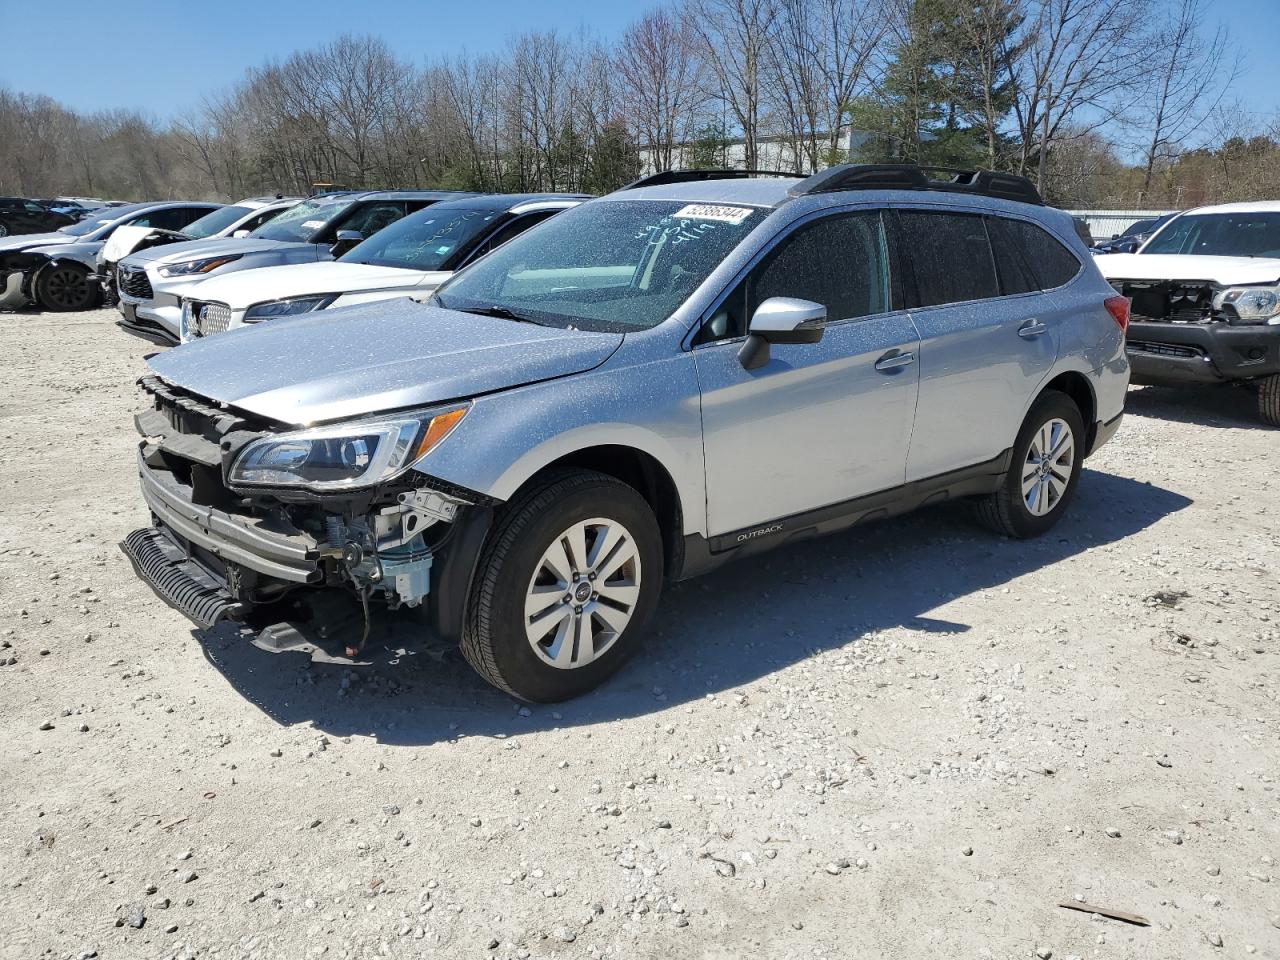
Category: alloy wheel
[1047,470]
[68,288]
[583,593]
[4,229]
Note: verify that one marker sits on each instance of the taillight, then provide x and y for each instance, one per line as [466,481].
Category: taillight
[1118,307]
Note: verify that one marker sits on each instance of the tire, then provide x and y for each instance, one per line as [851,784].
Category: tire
[1269,400]
[66,287]
[4,229]
[514,649]
[1012,513]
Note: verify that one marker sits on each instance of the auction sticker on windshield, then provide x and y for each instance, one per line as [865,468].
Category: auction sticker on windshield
[713,211]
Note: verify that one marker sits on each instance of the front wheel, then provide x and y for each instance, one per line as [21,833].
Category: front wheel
[1269,400]
[568,579]
[1044,469]
[65,287]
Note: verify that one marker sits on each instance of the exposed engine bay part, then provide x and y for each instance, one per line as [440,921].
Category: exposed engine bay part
[216,551]
[1191,301]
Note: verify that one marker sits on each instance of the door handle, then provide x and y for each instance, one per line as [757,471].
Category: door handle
[894,361]
[1032,328]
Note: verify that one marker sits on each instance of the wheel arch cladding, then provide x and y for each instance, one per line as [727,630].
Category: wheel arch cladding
[642,472]
[1077,386]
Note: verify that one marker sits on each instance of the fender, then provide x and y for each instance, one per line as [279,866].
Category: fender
[508,436]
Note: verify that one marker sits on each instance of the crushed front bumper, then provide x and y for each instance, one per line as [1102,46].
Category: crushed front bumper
[210,564]
[1179,353]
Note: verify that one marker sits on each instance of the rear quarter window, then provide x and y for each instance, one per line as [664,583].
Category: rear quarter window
[1053,263]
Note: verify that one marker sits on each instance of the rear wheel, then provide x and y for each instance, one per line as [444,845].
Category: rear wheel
[567,581]
[1269,399]
[4,229]
[1043,471]
[65,287]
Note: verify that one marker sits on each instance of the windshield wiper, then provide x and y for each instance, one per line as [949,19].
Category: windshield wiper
[502,313]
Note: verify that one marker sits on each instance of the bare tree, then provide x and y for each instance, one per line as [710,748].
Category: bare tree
[735,36]
[1185,84]
[1082,57]
[661,75]
[820,57]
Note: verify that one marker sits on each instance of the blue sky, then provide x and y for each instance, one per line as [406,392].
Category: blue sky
[161,57]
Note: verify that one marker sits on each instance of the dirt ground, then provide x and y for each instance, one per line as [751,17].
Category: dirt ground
[911,740]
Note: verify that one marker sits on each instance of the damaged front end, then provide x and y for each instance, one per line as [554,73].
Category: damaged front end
[17,276]
[234,529]
[1200,331]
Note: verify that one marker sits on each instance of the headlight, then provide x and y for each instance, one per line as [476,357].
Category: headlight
[1253,304]
[192,267]
[344,456]
[288,308]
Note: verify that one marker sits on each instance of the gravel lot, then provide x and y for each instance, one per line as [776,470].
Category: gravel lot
[912,740]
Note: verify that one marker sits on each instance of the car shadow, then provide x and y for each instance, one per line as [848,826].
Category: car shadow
[1212,405]
[711,634]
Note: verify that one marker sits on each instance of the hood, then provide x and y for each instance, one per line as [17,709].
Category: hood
[24,240]
[1225,271]
[199,249]
[374,358]
[124,240]
[247,287]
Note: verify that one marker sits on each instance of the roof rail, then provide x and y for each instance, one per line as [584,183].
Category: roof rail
[909,176]
[664,177]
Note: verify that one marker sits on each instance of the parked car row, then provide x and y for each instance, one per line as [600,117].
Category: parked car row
[586,398]
[318,229]
[58,269]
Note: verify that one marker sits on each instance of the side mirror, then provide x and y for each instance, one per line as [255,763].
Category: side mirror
[240,234]
[345,241]
[781,320]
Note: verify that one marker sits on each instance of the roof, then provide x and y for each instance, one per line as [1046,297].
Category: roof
[410,194]
[758,191]
[507,201]
[1248,206]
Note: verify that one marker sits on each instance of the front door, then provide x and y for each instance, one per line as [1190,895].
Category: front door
[819,423]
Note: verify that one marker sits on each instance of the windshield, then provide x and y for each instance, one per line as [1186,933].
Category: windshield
[301,222]
[615,265]
[100,219]
[1220,235]
[215,222]
[424,241]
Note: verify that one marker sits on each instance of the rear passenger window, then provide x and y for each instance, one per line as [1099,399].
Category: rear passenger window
[1052,262]
[951,255]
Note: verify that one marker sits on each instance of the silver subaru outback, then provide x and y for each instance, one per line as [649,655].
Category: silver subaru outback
[682,373]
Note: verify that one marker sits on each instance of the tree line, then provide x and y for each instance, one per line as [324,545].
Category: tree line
[1101,102]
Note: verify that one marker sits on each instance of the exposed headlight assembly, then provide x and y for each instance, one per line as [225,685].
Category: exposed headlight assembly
[344,456]
[1253,304]
[193,267]
[288,308]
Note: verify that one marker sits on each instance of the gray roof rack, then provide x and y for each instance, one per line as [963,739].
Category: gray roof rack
[909,176]
[664,177]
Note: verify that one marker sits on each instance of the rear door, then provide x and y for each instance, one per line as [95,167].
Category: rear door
[819,423]
[983,352]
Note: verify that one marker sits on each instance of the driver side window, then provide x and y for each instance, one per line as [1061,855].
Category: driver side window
[841,262]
